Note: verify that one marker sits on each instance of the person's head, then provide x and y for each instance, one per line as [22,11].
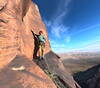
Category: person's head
[40,32]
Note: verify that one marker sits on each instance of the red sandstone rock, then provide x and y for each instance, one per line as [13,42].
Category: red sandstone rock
[16,22]
[17,19]
[31,77]
[56,66]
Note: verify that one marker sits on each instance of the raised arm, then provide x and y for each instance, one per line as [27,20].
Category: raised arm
[34,34]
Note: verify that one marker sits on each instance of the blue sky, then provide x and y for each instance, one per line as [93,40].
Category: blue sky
[72,24]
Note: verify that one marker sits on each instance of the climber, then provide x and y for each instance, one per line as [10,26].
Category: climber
[39,44]
[42,41]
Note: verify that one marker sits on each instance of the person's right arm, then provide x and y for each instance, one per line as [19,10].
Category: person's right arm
[34,34]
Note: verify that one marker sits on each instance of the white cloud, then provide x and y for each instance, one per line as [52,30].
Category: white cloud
[55,44]
[58,47]
[62,10]
[52,42]
[57,30]
[56,25]
[93,47]
[48,23]
[67,39]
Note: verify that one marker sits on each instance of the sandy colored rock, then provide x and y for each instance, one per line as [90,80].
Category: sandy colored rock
[17,45]
[56,66]
[2,4]
[33,21]
[17,19]
[31,77]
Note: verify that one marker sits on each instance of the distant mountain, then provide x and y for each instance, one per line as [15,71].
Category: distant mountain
[79,55]
[89,78]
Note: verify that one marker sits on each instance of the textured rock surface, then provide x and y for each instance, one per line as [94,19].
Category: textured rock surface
[31,77]
[89,78]
[17,19]
[33,22]
[56,66]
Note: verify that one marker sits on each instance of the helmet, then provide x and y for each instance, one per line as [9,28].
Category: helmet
[40,32]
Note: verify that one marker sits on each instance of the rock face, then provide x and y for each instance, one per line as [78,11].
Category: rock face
[56,66]
[17,45]
[31,77]
[89,78]
[17,19]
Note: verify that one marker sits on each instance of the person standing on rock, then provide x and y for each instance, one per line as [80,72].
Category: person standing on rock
[39,44]
[42,41]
